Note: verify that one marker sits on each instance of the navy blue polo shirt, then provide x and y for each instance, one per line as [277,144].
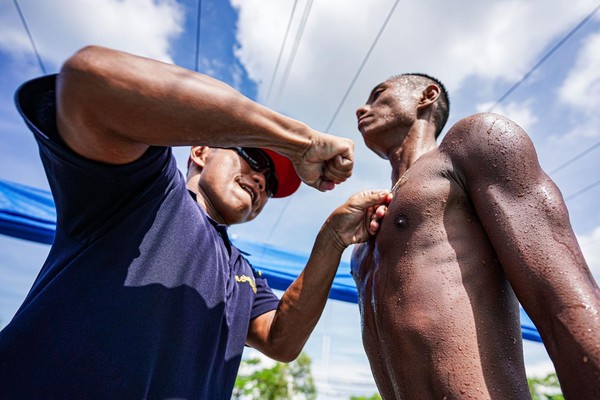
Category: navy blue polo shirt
[142,294]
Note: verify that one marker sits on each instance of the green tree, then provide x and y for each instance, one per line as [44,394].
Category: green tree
[282,381]
[546,388]
[373,397]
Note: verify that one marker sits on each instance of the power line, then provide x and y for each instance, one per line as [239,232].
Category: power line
[344,97]
[30,37]
[294,50]
[585,189]
[572,160]
[364,61]
[287,31]
[545,57]
[283,83]
[198,21]
[528,74]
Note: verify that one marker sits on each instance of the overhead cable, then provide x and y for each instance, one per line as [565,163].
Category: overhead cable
[578,156]
[287,31]
[343,99]
[290,62]
[528,74]
[364,61]
[37,54]
[582,191]
[198,24]
[280,91]
[545,57]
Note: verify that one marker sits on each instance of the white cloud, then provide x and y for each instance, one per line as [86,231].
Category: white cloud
[492,41]
[61,27]
[587,128]
[453,41]
[520,113]
[581,87]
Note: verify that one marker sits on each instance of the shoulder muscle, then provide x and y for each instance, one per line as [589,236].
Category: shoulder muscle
[489,149]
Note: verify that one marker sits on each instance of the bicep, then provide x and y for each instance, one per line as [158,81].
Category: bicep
[83,114]
[523,214]
[530,232]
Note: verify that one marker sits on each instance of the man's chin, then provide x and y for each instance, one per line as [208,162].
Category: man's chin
[240,216]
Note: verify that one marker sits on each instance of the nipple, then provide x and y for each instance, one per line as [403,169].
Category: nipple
[401,221]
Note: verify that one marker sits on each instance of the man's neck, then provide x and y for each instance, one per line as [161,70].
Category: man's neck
[419,140]
[204,201]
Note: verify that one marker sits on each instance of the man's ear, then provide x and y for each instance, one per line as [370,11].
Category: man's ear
[429,96]
[198,155]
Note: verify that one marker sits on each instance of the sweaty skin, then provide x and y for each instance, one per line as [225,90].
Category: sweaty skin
[469,219]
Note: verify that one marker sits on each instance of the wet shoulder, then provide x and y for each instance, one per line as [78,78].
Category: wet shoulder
[486,141]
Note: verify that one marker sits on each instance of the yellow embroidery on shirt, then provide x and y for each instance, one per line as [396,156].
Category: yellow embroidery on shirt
[245,278]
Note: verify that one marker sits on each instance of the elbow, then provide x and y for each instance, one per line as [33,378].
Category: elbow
[283,351]
[77,79]
[82,60]
[76,70]
[285,355]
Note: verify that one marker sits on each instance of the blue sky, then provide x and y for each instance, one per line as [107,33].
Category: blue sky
[479,49]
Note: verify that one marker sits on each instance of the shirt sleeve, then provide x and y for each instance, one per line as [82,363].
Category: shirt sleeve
[88,194]
[265,299]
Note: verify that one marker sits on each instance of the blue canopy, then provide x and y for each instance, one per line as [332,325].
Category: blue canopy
[28,213]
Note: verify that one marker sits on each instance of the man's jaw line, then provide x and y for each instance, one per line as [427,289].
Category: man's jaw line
[204,201]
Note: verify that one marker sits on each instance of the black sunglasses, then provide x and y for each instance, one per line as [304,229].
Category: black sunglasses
[259,161]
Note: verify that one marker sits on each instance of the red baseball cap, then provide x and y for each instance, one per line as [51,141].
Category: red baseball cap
[289,181]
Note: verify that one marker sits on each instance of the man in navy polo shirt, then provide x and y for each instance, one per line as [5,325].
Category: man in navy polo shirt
[142,294]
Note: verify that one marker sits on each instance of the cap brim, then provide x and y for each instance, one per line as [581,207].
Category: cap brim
[288,179]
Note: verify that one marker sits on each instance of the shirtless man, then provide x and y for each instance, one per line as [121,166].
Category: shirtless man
[475,226]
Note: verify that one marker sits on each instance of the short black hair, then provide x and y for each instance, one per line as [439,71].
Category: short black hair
[441,110]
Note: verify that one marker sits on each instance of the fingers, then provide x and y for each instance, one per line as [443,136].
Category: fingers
[359,217]
[379,201]
[373,226]
[328,162]
[339,168]
[324,185]
[335,172]
[372,198]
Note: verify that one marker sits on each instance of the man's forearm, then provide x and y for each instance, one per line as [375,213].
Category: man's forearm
[134,101]
[281,334]
[303,302]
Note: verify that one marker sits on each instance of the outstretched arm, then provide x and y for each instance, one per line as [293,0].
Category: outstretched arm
[112,105]
[526,219]
[281,334]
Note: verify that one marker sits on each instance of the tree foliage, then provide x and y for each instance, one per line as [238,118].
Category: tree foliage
[546,388]
[294,381]
[282,381]
[373,397]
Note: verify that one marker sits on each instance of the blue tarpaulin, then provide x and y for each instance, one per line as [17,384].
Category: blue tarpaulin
[28,213]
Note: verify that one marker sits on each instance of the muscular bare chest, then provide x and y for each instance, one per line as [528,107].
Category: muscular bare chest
[426,229]
[427,200]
